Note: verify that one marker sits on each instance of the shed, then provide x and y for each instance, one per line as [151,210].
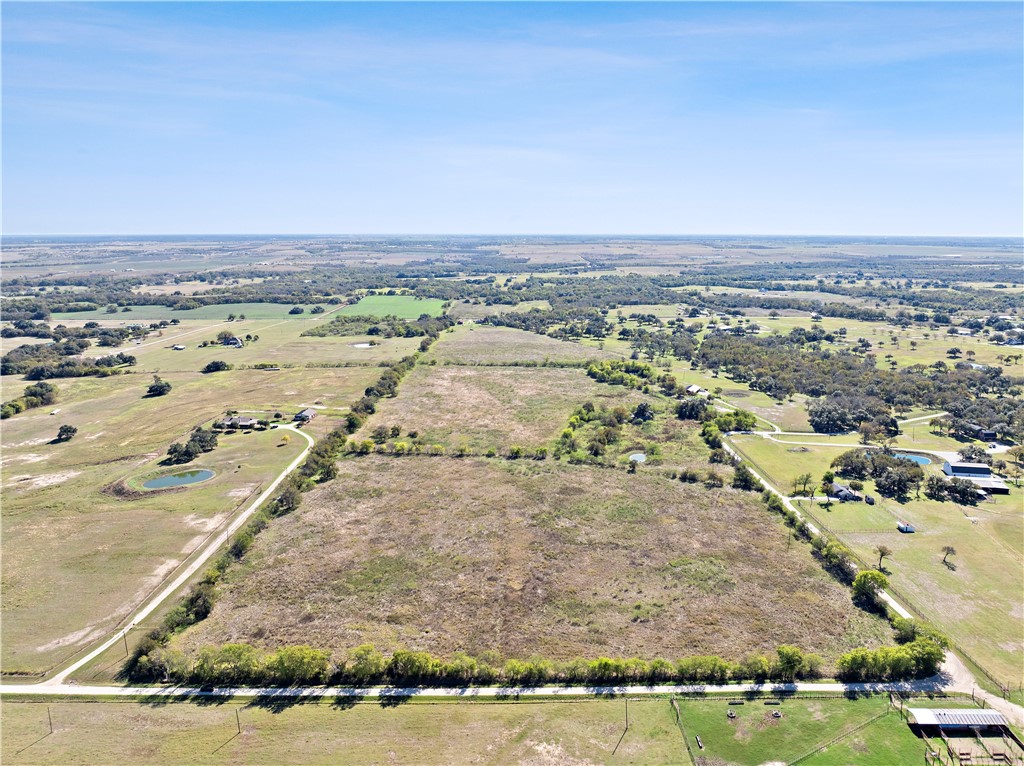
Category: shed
[951,718]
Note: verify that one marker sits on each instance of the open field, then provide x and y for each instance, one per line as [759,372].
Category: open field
[530,558]
[492,407]
[468,310]
[976,600]
[401,306]
[755,737]
[280,342]
[218,311]
[74,561]
[480,344]
[577,733]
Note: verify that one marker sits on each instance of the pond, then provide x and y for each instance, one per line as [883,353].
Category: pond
[638,457]
[179,479]
[362,345]
[916,458]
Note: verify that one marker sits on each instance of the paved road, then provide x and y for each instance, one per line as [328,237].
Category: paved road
[198,563]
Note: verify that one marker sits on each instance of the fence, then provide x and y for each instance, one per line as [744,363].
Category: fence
[841,736]
[682,729]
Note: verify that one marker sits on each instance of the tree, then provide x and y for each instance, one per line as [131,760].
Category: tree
[868,584]
[882,551]
[296,310]
[827,479]
[643,413]
[947,551]
[159,387]
[66,433]
[802,483]
[744,479]
[953,353]
[216,366]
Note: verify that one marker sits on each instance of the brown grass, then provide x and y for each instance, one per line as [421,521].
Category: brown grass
[530,558]
[480,344]
[484,407]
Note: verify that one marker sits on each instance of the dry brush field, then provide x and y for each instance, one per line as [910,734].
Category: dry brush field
[529,558]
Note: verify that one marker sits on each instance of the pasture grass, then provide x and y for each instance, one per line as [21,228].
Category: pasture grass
[571,732]
[529,558]
[76,558]
[401,306]
[215,311]
[481,344]
[491,407]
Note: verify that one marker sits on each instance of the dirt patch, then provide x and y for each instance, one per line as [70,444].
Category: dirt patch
[44,480]
[204,524]
[82,636]
[552,754]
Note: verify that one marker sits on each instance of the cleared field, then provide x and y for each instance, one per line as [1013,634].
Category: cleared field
[279,342]
[530,558]
[534,733]
[401,306]
[76,558]
[485,407]
[755,737]
[218,311]
[976,600]
[480,344]
[780,463]
[469,310]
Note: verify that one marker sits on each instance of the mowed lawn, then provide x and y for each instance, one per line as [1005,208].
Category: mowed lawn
[977,600]
[482,344]
[756,737]
[528,558]
[577,733]
[75,558]
[492,407]
[401,306]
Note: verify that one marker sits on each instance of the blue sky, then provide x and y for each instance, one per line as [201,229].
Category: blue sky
[599,118]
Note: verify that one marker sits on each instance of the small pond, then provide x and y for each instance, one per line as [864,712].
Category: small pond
[179,479]
[362,345]
[916,458]
[638,457]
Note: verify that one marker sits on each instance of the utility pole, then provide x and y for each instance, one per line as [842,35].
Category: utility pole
[124,635]
[49,718]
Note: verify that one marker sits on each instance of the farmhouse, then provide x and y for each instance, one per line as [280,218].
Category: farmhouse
[984,434]
[979,474]
[843,493]
[306,415]
[237,421]
[694,390]
[233,342]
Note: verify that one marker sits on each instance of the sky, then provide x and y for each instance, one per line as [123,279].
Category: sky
[513,118]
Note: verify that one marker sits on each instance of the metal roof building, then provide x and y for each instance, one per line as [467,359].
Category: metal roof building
[953,718]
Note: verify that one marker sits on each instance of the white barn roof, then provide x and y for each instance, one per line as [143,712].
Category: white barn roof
[955,718]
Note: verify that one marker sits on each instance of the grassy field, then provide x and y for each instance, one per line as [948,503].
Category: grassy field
[755,737]
[492,407]
[532,733]
[74,559]
[280,342]
[401,306]
[977,601]
[481,344]
[531,558]
[217,311]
